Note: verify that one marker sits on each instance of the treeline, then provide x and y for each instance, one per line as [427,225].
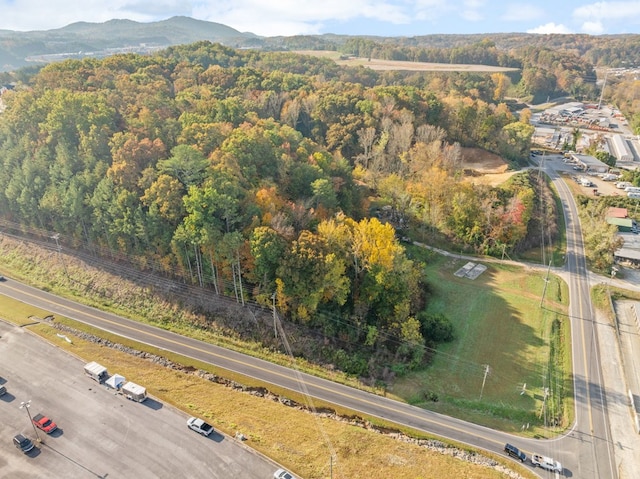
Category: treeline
[542,71]
[241,172]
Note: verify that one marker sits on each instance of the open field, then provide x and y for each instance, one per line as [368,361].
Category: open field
[301,441]
[376,64]
[498,323]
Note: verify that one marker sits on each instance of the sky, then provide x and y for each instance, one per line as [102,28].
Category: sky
[349,17]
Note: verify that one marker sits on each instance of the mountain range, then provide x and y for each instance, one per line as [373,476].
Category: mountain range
[82,39]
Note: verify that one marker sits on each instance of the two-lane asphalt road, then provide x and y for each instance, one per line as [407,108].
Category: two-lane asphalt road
[585,452]
[270,373]
[588,444]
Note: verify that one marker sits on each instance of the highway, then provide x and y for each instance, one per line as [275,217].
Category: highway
[588,443]
[585,452]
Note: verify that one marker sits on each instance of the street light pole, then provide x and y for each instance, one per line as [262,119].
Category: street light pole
[64,265]
[26,405]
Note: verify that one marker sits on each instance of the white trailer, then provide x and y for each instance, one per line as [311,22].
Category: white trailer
[96,371]
[134,392]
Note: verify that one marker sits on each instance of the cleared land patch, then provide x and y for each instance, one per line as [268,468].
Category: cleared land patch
[377,64]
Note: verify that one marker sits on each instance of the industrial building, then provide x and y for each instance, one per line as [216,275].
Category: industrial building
[620,149]
[589,163]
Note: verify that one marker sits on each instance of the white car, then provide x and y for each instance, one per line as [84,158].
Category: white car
[282,474]
[199,426]
[546,463]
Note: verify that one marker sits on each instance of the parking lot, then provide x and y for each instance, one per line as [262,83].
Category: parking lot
[566,168]
[101,434]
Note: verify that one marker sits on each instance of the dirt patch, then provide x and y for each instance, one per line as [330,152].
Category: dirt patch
[483,167]
[483,161]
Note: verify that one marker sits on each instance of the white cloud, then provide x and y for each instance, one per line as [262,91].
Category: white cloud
[37,15]
[608,10]
[274,17]
[593,28]
[471,11]
[431,9]
[291,17]
[521,12]
[550,28]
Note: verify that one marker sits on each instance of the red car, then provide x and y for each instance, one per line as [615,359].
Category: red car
[44,423]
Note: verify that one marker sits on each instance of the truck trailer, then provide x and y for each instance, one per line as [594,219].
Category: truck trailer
[134,392]
[96,371]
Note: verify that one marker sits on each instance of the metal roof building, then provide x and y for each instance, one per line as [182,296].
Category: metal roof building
[621,149]
[590,163]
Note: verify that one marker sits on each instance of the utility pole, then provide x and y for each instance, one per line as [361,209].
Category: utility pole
[60,257]
[546,281]
[275,327]
[603,85]
[484,380]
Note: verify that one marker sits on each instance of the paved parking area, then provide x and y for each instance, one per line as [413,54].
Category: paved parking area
[101,434]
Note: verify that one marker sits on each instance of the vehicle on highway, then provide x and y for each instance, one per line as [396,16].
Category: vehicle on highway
[43,422]
[282,474]
[513,451]
[199,426]
[546,463]
[23,443]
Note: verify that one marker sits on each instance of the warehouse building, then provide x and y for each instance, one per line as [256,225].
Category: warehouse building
[589,163]
[621,149]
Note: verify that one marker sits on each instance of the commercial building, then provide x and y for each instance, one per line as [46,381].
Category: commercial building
[589,163]
[620,149]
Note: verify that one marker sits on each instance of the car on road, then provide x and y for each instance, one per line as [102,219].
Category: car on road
[513,451]
[23,443]
[43,422]
[199,426]
[282,474]
[546,463]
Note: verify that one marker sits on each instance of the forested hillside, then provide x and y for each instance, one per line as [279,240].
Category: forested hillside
[272,177]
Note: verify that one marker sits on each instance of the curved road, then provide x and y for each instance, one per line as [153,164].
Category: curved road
[588,446]
[586,452]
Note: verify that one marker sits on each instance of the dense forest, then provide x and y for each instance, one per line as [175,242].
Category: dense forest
[273,177]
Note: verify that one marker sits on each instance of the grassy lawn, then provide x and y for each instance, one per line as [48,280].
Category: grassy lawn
[300,441]
[498,323]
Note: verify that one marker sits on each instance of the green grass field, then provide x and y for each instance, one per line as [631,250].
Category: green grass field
[499,322]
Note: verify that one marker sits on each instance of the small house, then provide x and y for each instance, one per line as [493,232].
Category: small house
[614,212]
[625,225]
